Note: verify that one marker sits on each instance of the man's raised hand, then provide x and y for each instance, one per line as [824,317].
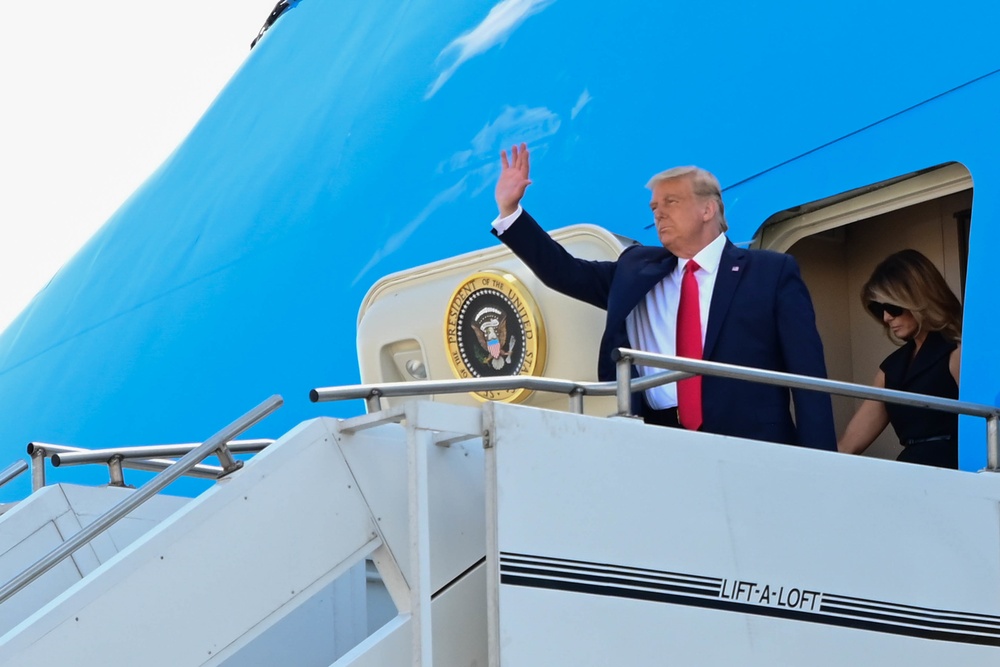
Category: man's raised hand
[513,179]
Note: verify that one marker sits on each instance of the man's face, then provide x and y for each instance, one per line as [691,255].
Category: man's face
[684,221]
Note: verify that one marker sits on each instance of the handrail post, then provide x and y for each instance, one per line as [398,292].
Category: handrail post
[993,443]
[576,400]
[624,393]
[37,468]
[372,402]
[115,471]
[226,460]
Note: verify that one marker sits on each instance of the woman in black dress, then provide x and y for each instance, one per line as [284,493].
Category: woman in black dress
[909,297]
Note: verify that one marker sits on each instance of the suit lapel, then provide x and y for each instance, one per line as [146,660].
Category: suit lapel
[731,269]
[650,271]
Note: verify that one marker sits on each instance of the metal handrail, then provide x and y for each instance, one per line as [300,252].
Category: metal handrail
[626,357]
[83,456]
[718,369]
[12,471]
[39,451]
[141,495]
[677,368]
[373,392]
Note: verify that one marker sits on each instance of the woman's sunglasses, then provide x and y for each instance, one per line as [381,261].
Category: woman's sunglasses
[877,309]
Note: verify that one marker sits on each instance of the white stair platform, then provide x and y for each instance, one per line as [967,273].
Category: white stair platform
[612,542]
[511,536]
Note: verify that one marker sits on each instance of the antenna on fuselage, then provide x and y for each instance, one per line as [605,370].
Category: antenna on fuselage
[278,10]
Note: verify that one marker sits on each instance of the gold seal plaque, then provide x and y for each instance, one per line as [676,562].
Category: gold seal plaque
[494,329]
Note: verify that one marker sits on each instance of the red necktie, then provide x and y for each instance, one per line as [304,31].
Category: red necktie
[689,345]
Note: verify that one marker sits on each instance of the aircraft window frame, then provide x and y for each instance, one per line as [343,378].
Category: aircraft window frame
[827,226]
[783,229]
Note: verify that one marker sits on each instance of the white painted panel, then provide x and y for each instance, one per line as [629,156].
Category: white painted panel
[45,519]
[90,502]
[28,515]
[459,615]
[42,590]
[378,459]
[460,623]
[390,645]
[614,494]
[317,631]
[211,572]
[613,631]
[85,558]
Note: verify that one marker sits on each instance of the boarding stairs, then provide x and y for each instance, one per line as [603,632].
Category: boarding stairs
[511,536]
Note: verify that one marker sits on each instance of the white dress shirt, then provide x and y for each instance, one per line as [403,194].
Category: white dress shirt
[504,223]
[652,324]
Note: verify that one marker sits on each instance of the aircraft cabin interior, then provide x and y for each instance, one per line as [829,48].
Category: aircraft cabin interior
[839,241]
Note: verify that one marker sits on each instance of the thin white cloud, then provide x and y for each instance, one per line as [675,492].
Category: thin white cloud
[502,20]
[580,103]
[484,177]
[481,162]
[515,125]
[459,160]
[398,240]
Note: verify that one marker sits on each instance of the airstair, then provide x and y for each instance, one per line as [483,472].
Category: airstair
[434,534]
[214,582]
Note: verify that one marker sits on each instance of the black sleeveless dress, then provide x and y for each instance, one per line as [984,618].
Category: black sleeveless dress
[929,437]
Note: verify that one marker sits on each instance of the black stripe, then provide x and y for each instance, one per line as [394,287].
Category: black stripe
[454,581]
[847,605]
[548,574]
[694,582]
[863,603]
[913,621]
[504,555]
[744,608]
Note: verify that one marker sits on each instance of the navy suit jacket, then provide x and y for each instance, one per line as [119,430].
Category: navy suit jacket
[761,316]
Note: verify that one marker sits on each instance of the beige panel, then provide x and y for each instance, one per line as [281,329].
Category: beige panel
[823,260]
[403,318]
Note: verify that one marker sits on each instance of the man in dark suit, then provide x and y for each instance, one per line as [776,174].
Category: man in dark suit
[697,296]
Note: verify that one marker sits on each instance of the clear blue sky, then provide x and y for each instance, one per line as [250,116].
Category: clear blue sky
[95,97]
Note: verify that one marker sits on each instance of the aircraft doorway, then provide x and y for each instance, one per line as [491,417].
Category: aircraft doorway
[839,241]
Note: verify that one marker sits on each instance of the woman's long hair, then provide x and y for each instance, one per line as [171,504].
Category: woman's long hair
[909,280]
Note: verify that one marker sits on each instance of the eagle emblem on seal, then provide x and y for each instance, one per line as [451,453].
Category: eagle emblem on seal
[490,326]
[493,329]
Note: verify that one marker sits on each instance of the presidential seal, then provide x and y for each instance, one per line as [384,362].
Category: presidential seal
[493,329]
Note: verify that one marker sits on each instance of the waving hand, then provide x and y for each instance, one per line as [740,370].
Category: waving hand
[513,179]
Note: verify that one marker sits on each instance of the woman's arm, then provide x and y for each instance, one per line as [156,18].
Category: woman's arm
[866,424]
[954,361]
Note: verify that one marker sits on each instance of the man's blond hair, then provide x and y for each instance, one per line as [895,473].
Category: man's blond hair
[703,184]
